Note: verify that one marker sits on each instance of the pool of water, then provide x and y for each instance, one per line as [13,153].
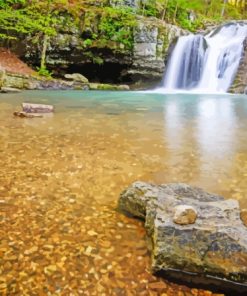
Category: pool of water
[61,175]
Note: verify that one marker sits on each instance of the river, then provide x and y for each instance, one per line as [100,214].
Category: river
[61,176]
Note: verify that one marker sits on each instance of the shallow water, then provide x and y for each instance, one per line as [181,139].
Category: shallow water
[61,175]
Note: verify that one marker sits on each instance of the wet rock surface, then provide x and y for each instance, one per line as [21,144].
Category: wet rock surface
[12,82]
[240,82]
[213,247]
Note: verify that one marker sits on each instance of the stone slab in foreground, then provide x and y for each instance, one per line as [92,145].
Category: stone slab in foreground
[37,108]
[193,232]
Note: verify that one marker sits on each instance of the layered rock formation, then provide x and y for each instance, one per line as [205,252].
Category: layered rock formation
[10,82]
[152,40]
[194,234]
[74,49]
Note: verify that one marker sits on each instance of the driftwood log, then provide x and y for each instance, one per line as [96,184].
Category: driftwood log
[26,115]
[37,108]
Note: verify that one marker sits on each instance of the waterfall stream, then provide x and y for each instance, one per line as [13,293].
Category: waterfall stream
[206,63]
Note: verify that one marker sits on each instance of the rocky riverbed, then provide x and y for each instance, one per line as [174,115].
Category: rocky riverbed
[61,177]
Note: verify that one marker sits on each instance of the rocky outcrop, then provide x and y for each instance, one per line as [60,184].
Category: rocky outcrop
[11,82]
[210,243]
[240,83]
[73,50]
[152,39]
[18,81]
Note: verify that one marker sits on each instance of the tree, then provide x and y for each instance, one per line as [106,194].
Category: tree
[223,8]
[45,15]
[19,17]
[13,20]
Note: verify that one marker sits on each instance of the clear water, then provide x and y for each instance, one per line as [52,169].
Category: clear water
[61,176]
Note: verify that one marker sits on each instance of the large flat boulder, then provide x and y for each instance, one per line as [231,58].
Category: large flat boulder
[193,232]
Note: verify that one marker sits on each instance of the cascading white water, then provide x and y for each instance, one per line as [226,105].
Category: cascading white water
[206,63]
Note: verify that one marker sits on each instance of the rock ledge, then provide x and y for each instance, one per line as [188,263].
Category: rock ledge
[211,241]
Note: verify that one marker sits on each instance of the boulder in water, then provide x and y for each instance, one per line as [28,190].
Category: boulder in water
[195,235]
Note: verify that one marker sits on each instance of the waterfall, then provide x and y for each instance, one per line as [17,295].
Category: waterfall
[206,63]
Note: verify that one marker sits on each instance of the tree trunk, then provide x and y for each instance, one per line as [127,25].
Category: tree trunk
[43,53]
[143,8]
[164,10]
[175,13]
[45,38]
[223,8]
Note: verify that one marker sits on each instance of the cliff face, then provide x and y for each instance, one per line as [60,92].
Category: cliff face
[152,40]
[139,57]
[240,82]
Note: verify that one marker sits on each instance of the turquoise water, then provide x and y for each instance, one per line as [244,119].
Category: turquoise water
[61,176]
[200,135]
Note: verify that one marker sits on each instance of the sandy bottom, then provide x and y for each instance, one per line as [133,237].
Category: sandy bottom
[60,179]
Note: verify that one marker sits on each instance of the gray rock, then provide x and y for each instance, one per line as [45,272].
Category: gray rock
[76,77]
[214,247]
[130,3]
[15,82]
[152,39]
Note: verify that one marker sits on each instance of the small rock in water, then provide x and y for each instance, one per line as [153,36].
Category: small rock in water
[184,215]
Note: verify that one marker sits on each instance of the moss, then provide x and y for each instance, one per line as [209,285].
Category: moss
[105,86]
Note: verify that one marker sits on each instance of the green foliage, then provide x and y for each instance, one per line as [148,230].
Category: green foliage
[43,71]
[205,11]
[88,42]
[116,24]
[98,60]
[106,25]
[148,8]
[94,58]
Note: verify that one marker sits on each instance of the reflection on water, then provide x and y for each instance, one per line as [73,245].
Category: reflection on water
[61,176]
[207,144]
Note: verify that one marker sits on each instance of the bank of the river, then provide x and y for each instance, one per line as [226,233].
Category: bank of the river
[16,75]
[61,177]
[14,82]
